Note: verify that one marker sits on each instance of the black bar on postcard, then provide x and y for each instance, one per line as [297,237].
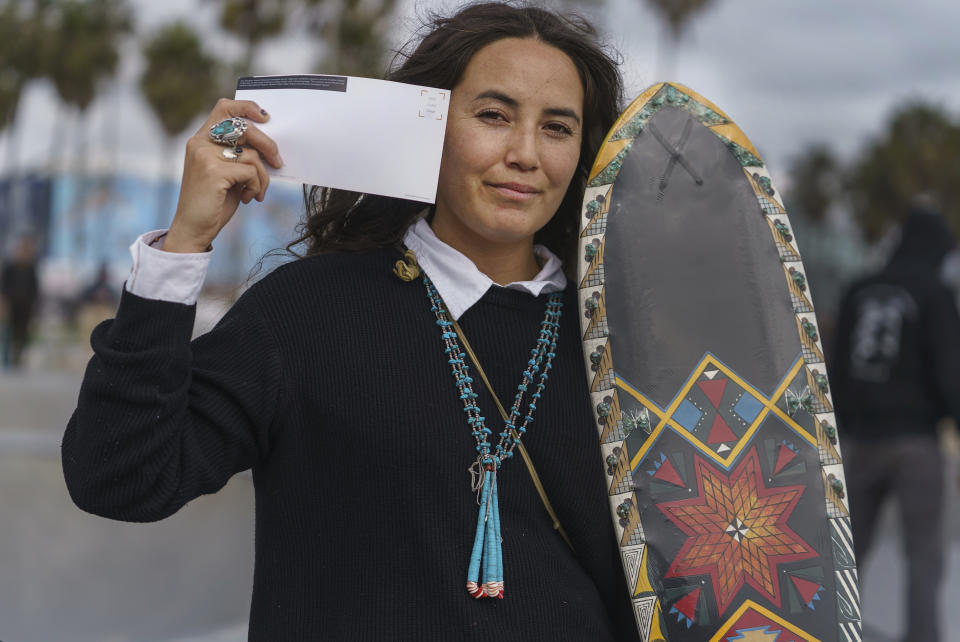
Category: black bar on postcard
[306,81]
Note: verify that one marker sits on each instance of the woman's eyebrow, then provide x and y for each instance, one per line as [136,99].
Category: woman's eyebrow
[507,100]
[562,111]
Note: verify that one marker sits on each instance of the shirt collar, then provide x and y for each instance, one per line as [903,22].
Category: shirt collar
[460,283]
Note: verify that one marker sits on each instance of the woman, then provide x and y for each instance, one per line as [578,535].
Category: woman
[331,377]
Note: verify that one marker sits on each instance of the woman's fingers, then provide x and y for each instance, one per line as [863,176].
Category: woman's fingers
[262,143]
[249,175]
[247,194]
[249,156]
[228,108]
[251,111]
[216,178]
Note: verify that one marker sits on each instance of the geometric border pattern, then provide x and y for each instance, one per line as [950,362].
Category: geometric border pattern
[605,387]
[667,418]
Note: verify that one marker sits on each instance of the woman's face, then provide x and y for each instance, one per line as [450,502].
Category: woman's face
[512,144]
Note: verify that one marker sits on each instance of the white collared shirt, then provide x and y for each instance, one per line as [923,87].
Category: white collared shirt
[176,277]
[165,276]
[459,282]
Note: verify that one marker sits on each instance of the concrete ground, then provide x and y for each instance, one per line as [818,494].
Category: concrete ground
[67,575]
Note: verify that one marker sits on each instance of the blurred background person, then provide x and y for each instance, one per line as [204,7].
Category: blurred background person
[96,302]
[896,374]
[21,292]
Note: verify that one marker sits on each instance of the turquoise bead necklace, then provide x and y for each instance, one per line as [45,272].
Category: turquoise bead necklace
[487,552]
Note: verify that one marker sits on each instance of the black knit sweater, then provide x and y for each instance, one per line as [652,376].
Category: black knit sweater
[328,379]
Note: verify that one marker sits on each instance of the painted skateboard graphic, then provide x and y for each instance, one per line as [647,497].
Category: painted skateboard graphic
[709,387]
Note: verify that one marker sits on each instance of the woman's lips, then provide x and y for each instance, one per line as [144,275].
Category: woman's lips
[516,191]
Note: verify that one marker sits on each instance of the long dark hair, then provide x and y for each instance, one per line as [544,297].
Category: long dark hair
[341,220]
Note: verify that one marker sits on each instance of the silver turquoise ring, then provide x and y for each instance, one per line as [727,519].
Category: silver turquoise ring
[228,131]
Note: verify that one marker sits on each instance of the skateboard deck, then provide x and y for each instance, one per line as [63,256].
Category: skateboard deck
[709,387]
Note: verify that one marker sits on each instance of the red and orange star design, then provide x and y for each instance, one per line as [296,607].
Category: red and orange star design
[737,530]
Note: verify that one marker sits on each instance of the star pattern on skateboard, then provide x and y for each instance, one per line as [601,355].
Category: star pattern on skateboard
[737,530]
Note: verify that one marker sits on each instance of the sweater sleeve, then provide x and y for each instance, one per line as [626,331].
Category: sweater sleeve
[160,420]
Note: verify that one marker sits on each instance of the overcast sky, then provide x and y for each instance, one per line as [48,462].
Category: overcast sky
[790,73]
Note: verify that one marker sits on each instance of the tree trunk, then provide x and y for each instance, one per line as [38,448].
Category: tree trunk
[61,123]
[13,144]
[110,183]
[164,213]
[81,169]
[667,48]
[13,173]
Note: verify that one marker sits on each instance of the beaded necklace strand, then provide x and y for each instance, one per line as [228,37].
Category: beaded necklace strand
[487,551]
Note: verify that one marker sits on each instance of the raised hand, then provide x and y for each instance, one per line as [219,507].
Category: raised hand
[218,177]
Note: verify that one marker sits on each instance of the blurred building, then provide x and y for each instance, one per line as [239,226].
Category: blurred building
[24,210]
[83,221]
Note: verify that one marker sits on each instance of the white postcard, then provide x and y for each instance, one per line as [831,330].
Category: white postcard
[358,134]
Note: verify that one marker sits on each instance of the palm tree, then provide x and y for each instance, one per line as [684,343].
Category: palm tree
[84,50]
[677,14]
[12,77]
[24,40]
[23,54]
[815,183]
[831,254]
[918,153]
[253,21]
[180,83]
[354,34]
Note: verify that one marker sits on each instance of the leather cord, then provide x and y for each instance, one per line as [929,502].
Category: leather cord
[407,270]
[523,451]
